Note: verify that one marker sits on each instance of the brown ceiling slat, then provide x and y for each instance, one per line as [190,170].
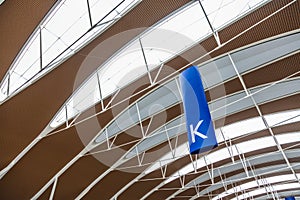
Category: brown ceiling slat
[273,72]
[240,140]
[86,169]
[292,127]
[111,184]
[46,194]
[266,28]
[227,88]
[288,103]
[160,194]
[248,113]
[40,164]
[18,19]
[139,190]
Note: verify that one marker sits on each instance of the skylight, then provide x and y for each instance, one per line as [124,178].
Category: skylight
[281,118]
[243,127]
[1,1]
[112,73]
[60,38]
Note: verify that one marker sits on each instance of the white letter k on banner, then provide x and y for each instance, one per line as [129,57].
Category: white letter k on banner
[195,131]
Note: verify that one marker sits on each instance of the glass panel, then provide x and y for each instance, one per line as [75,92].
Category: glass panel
[233,168]
[71,12]
[155,102]
[275,91]
[3,89]
[282,118]
[58,34]
[125,68]
[258,55]
[231,107]
[27,65]
[216,71]
[16,80]
[114,75]
[87,95]
[125,120]
[159,100]
[99,9]
[51,45]
[155,56]
[288,137]
[187,26]
[30,57]
[243,127]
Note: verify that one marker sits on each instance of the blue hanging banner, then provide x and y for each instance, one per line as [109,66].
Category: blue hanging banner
[200,128]
[289,198]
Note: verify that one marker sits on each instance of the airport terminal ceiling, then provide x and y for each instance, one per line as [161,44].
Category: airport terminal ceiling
[91,106]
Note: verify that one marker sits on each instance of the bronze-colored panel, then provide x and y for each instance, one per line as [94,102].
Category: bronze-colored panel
[78,176]
[46,194]
[85,170]
[160,194]
[273,72]
[140,189]
[189,192]
[246,114]
[287,103]
[40,164]
[292,127]
[251,19]
[18,20]
[111,184]
[229,87]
